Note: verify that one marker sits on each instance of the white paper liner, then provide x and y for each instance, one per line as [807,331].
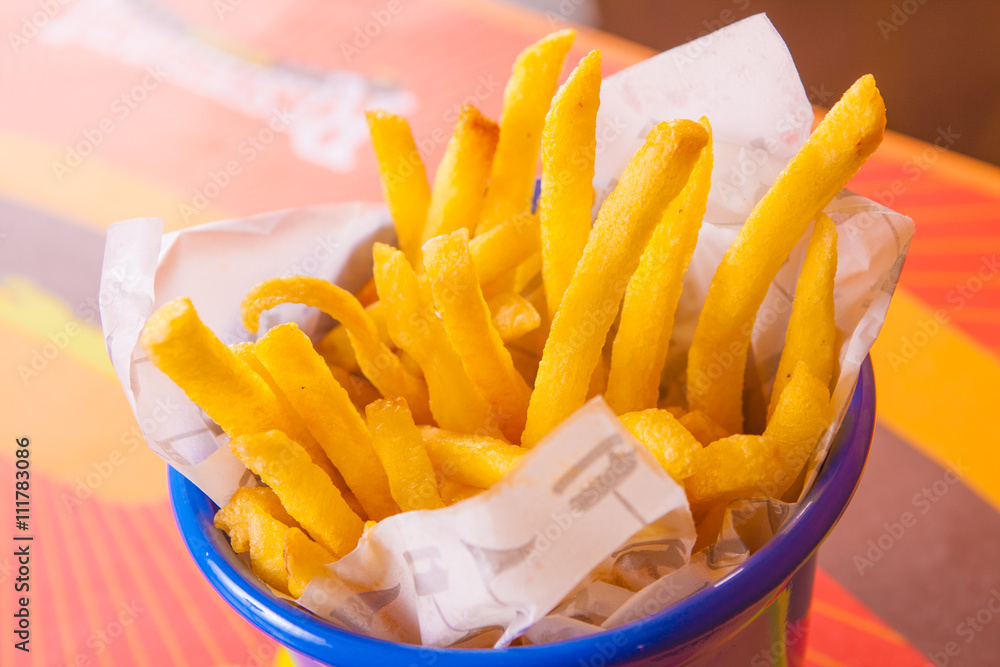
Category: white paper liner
[742,78]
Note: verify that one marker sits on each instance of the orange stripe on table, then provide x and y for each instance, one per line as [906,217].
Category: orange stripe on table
[134,560]
[960,228]
[814,657]
[103,557]
[67,534]
[930,279]
[865,625]
[57,584]
[171,568]
[162,516]
[977,315]
[948,212]
[981,246]
[146,552]
[960,170]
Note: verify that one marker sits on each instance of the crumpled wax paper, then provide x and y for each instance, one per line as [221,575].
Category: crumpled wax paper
[587,533]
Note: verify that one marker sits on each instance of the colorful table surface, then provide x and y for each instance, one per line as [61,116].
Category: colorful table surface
[115,109]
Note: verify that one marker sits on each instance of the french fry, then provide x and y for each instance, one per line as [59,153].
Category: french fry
[811,332]
[526,273]
[336,345]
[526,100]
[569,143]
[599,378]
[256,522]
[740,465]
[367,295]
[245,352]
[505,247]
[466,318]
[639,351]
[460,182]
[404,181]
[232,518]
[359,390]
[401,451]
[662,434]
[512,315]
[494,253]
[227,389]
[800,417]
[378,363]
[768,464]
[476,460]
[304,489]
[304,559]
[652,178]
[455,492]
[702,427]
[842,142]
[454,401]
[327,411]
[336,348]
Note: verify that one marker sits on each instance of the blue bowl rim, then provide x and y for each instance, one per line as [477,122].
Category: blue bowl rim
[688,620]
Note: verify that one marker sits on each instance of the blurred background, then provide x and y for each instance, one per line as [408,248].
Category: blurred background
[937,62]
[192,111]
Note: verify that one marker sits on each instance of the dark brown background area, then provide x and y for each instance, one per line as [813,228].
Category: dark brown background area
[937,62]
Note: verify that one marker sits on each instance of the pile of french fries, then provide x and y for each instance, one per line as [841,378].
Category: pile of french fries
[492,322]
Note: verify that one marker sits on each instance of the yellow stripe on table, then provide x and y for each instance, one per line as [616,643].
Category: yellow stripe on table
[938,388]
[38,315]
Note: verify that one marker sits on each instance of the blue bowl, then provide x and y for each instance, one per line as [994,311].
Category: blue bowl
[756,616]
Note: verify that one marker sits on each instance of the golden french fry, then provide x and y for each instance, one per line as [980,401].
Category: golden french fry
[455,492]
[568,145]
[652,178]
[767,464]
[526,100]
[494,253]
[842,142]
[233,517]
[367,295]
[303,560]
[336,348]
[466,318]
[227,389]
[702,427]
[399,446]
[800,417]
[454,400]
[663,435]
[525,360]
[256,522]
[740,465]
[327,411]
[378,363]
[404,181]
[512,315]
[358,389]
[304,489]
[599,378]
[460,182]
[476,460]
[639,351]
[526,273]
[504,247]
[245,352]
[811,332]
